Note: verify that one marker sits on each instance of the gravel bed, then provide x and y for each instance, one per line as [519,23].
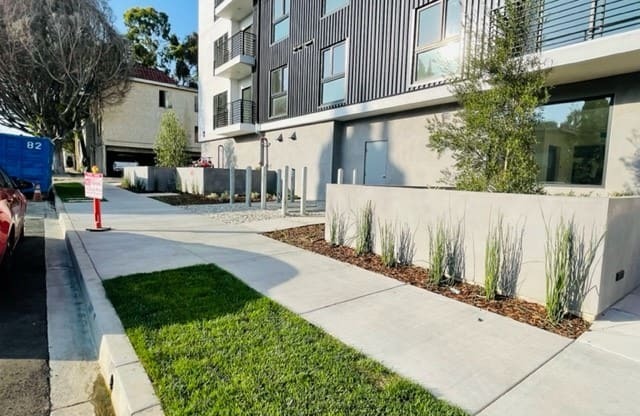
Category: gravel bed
[241,214]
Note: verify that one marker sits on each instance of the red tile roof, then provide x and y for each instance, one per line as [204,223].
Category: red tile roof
[152,74]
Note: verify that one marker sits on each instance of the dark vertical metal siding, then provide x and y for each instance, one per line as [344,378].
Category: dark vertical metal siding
[380,44]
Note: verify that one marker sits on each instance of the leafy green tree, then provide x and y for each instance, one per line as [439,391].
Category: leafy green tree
[184,56]
[492,136]
[154,46]
[171,142]
[149,32]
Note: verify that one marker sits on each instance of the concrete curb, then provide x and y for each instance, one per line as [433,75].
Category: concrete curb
[131,389]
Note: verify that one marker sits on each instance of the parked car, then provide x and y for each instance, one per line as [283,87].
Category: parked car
[13,206]
[119,166]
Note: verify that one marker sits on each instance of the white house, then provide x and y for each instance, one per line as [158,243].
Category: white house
[127,132]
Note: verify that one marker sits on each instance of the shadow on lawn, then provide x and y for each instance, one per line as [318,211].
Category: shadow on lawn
[164,275]
[181,296]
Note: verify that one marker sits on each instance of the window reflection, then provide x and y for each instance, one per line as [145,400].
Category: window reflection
[572,141]
[437,63]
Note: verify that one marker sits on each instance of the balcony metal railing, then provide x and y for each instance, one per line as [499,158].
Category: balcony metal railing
[237,112]
[555,23]
[242,43]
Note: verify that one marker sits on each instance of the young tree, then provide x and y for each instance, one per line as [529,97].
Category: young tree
[62,62]
[492,136]
[171,142]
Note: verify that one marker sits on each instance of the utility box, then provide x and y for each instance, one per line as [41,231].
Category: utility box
[28,158]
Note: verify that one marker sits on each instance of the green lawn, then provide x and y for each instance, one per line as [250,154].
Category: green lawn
[214,346]
[68,191]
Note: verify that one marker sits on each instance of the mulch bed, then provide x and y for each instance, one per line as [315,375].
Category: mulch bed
[191,199]
[312,238]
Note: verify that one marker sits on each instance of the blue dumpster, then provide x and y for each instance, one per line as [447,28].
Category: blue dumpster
[28,158]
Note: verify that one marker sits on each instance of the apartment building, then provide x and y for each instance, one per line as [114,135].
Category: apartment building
[126,132]
[351,84]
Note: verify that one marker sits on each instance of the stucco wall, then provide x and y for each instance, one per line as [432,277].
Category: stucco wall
[409,160]
[313,148]
[135,121]
[528,215]
[412,163]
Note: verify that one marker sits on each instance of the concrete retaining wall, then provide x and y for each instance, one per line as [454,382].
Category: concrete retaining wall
[155,179]
[202,181]
[528,217]
[205,181]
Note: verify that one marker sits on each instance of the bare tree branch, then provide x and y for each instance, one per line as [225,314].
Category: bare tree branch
[62,62]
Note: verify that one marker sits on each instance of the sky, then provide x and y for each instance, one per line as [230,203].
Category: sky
[183,14]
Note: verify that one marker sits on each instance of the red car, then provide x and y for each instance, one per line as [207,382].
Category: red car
[13,206]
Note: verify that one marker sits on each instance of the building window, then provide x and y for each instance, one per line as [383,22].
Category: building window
[437,43]
[279,102]
[333,74]
[195,104]
[162,99]
[331,6]
[572,139]
[195,134]
[280,20]
[220,112]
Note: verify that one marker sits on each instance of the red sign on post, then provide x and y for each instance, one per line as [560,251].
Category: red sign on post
[93,185]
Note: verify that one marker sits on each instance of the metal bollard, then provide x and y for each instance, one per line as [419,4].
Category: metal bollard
[293,186]
[247,186]
[303,200]
[340,176]
[354,177]
[263,188]
[285,188]
[232,185]
[279,185]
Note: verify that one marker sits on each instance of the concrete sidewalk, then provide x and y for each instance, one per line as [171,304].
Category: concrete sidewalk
[480,361]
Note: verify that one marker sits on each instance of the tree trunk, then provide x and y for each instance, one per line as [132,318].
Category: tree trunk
[58,158]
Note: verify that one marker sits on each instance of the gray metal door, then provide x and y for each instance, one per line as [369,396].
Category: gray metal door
[375,162]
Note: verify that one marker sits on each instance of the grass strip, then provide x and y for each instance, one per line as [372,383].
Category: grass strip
[67,191]
[72,192]
[213,346]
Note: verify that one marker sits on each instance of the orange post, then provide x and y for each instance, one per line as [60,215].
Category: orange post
[97,213]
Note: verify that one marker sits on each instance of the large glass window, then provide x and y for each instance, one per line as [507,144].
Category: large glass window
[331,6]
[437,44]
[572,139]
[333,74]
[280,20]
[279,102]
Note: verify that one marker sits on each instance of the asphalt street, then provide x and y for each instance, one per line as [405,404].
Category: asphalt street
[24,356]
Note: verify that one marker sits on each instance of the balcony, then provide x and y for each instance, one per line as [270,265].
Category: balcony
[565,22]
[580,39]
[235,58]
[233,9]
[239,118]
